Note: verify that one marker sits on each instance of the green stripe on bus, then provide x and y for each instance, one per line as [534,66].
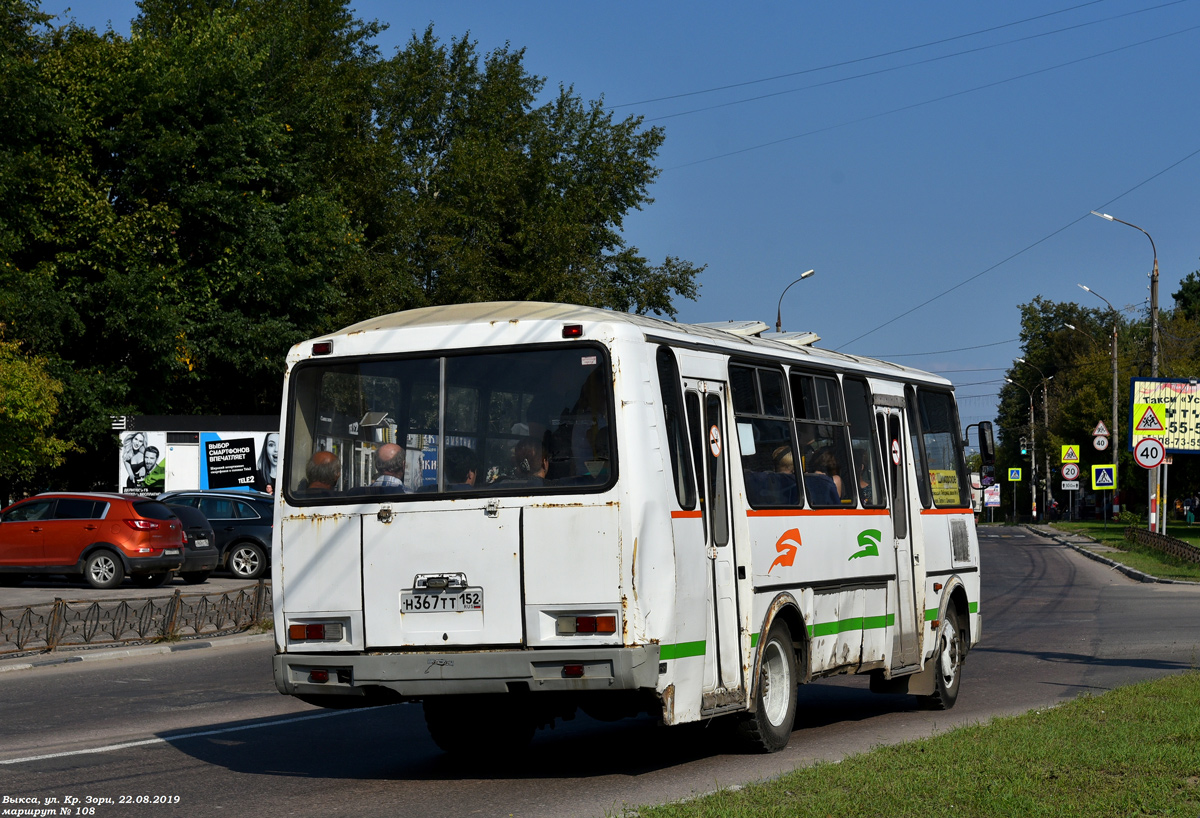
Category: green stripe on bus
[932,613]
[754,640]
[856,624]
[681,651]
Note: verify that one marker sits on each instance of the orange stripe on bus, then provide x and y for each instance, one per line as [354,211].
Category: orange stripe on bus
[685,515]
[947,511]
[817,512]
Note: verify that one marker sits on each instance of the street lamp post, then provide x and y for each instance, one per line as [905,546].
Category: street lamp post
[1046,426]
[1115,437]
[1153,479]
[779,306]
[1032,449]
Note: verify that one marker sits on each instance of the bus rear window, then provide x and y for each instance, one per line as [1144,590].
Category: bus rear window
[531,421]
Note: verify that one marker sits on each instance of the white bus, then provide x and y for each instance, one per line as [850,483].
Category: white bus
[513,511]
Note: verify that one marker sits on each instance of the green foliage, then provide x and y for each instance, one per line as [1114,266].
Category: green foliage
[179,207]
[481,195]
[1187,297]
[28,406]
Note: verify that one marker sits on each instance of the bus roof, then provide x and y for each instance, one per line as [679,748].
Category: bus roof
[498,312]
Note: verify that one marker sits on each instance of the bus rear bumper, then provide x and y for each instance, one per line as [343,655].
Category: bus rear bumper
[398,676]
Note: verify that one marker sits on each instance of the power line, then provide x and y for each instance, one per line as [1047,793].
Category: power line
[854,61]
[889,69]
[923,103]
[943,351]
[1024,250]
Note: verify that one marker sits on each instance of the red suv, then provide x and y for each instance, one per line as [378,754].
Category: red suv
[102,536]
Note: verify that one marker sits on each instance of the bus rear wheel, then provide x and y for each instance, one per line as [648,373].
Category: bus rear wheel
[470,724]
[769,727]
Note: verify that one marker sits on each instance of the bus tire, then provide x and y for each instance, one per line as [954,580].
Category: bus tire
[947,658]
[769,727]
[471,724]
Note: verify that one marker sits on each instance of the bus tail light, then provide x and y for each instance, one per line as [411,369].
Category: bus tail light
[587,624]
[316,632]
[318,676]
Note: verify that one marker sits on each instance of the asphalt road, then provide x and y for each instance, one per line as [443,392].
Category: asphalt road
[207,728]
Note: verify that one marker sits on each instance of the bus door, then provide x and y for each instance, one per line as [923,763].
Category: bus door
[890,424]
[706,423]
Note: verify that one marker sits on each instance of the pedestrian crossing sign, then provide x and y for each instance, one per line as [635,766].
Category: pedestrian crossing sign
[1014,475]
[1102,478]
[1070,454]
[1149,419]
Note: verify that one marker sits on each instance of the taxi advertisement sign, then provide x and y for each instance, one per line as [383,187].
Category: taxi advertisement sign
[1166,409]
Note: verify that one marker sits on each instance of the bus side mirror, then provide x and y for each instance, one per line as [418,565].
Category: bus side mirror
[987,454]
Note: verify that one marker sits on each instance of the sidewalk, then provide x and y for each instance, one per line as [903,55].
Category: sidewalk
[64,656]
[1094,550]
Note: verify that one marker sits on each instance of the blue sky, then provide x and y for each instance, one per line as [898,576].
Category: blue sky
[904,151]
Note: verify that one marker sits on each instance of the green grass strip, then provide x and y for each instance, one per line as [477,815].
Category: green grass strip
[1132,751]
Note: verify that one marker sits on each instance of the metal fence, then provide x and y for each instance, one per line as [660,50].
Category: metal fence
[116,621]
[1160,542]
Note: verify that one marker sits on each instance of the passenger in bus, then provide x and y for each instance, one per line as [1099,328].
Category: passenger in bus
[461,470]
[826,462]
[530,461]
[389,462]
[323,471]
[784,461]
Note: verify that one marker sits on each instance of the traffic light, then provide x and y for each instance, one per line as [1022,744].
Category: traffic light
[1024,447]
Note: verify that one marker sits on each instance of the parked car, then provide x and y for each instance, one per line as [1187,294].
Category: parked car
[242,522]
[103,537]
[200,554]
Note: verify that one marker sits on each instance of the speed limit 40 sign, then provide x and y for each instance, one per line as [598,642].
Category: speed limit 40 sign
[1149,452]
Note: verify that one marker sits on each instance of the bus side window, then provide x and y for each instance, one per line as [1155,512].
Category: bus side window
[868,472]
[764,437]
[676,428]
[824,441]
[944,473]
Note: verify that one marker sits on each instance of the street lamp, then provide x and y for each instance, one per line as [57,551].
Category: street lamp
[1090,337]
[1032,449]
[778,317]
[1115,437]
[1153,474]
[1046,426]
[1153,293]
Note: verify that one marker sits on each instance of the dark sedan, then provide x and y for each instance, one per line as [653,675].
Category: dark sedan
[242,522]
[200,554]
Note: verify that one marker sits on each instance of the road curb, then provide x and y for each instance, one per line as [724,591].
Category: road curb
[1132,573]
[140,650]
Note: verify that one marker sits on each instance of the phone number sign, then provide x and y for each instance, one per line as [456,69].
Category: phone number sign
[1167,409]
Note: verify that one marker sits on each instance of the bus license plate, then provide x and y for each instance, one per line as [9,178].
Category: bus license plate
[468,599]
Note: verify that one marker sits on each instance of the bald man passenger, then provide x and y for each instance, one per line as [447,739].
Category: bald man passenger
[389,462]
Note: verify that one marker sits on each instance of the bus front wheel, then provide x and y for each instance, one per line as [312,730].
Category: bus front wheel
[769,727]
[947,660]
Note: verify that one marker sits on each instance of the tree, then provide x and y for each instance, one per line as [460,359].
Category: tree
[28,406]
[179,207]
[1187,297]
[481,195]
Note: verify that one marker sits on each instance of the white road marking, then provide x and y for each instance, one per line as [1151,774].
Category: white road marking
[200,734]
